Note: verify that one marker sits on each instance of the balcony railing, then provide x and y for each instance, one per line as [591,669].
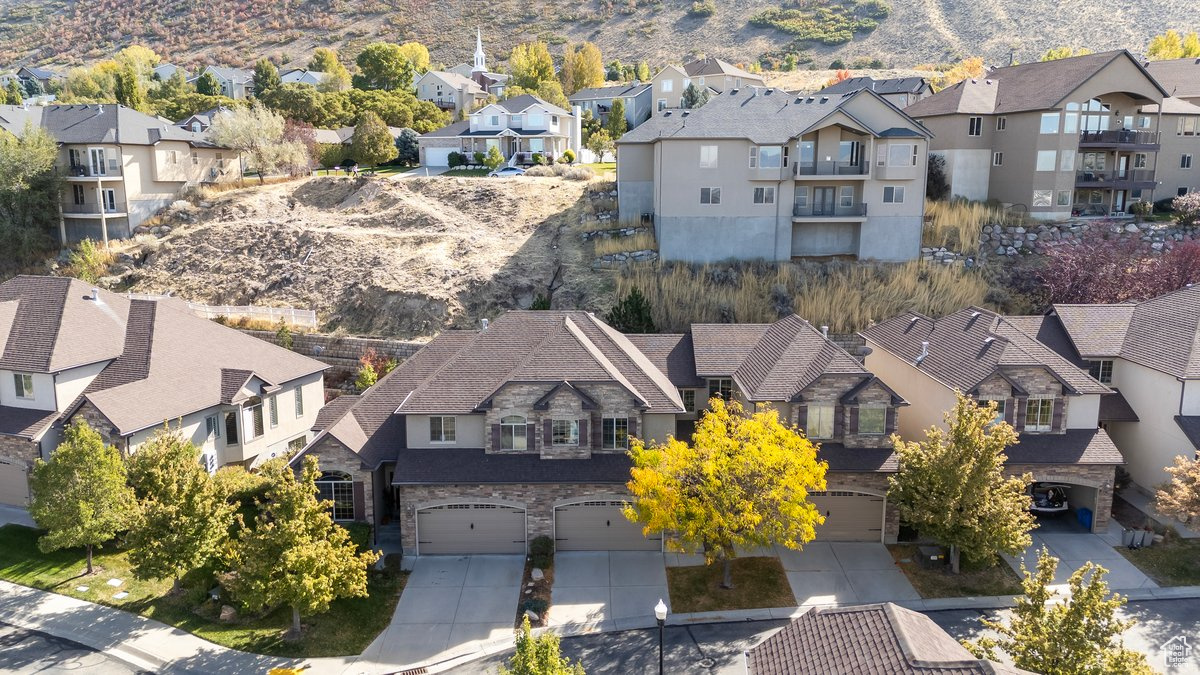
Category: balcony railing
[84,171]
[1118,137]
[1102,178]
[829,210]
[89,210]
[831,169]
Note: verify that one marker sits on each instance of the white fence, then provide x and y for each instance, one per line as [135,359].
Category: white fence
[300,318]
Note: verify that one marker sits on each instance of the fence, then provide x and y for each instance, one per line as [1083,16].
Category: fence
[299,318]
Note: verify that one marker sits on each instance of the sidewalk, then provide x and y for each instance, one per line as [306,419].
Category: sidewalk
[1145,504]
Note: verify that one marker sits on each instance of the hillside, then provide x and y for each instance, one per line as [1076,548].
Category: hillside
[66,32]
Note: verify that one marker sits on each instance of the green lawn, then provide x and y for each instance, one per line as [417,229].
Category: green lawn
[971,581]
[757,583]
[467,173]
[346,629]
[601,167]
[1171,563]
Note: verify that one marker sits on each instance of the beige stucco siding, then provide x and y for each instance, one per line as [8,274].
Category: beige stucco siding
[928,399]
[1154,441]
[657,428]
[468,432]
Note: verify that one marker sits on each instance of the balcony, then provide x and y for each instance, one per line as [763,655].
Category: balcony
[1129,179]
[822,169]
[84,172]
[1127,139]
[91,211]
[829,211]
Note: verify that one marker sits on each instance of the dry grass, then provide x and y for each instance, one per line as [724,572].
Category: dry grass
[1173,562]
[972,581]
[844,296]
[957,224]
[638,242]
[211,190]
[757,583]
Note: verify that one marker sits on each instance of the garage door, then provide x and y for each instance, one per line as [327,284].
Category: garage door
[14,483]
[849,516]
[438,156]
[470,528]
[599,526]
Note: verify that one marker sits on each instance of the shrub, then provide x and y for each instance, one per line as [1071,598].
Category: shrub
[240,485]
[541,171]
[579,173]
[1187,209]
[1140,208]
[567,157]
[494,159]
[937,187]
[89,262]
[360,534]
[541,552]
[703,8]
[284,335]
[1163,205]
[456,159]
[480,159]
[957,224]
[539,159]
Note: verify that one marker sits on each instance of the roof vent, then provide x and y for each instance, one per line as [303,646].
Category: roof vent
[770,90]
[987,81]
[924,353]
[684,113]
[733,92]
[975,314]
[913,320]
[99,110]
[95,295]
[824,99]
[988,340]
[667,113]
[484,323]
[825,331]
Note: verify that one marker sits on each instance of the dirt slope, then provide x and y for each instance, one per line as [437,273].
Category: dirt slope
[373,256]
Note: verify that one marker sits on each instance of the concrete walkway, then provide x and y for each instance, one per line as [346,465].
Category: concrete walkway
[421,172]
[596,591]
[15,515]
[1146,505]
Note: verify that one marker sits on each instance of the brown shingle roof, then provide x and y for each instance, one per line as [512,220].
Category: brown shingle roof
[865,639]
[1115,408]
[673,355]
[333,411]
[25,422]
[1097,331]
[1180,77]
[1076,446]
[55,326]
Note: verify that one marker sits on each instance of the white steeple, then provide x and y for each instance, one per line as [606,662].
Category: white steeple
[480,64]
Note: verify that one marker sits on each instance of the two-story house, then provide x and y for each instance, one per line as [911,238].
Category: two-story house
[236,83]
[900,91]
[37,79]
[713,74]
[120,166]
[450,91]
[1052,139]
[1054,405]
[763,174]
[636,97]
[518,127]
[128,367]
[313,78]
[487,438]
[1178,170]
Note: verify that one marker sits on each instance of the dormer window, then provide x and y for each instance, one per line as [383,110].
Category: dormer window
[23,383]
[1039,414]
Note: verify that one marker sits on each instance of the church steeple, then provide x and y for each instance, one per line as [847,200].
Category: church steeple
[480,59]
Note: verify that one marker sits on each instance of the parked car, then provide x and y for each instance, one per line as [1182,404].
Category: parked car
[1048,498]
[506,171]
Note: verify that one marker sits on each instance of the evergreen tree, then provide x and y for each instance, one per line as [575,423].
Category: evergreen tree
[406,147]
[643,72]
[632,313]
[493,159]
[372,143]
[128,91]
[266,77]
[694,97]
[208,85]
[15,94]
[617,124]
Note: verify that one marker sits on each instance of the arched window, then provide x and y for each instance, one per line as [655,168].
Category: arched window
[196,127]
[337,487]
[512,433]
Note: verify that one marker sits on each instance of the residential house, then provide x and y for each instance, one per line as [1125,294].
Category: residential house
[165,71]
[485,439]
[128,367]
[714,74]
[41,76]
[450,91]
[236,83]
[312,78]
[120,166]
[1054,405]
[900,91]
[202,121]
[1147,352]
[883,638]
[1052,139]
[636,97]
[518,127]
[763,174]
[1180,125]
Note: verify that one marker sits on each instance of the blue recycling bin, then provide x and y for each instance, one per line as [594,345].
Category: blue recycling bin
[1085,517]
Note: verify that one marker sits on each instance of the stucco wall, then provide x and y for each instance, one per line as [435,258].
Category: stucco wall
[1152,443]
[43,391]
[469,432]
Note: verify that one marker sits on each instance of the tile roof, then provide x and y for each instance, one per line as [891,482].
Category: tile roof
[91,123]
[882,638]
[1190,425]
[895,85]
[459,465]
[1180,77]
[609,93]
[1076,446]
[971,345]
[52,325]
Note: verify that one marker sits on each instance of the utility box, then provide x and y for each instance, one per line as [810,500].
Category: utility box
[931,557]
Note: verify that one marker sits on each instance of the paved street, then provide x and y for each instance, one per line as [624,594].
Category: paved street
[716,648]
[25,651]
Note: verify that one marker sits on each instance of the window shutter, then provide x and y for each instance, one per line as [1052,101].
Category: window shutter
[530,437]
[1057,423]
[853,420]
[1021,410]
[633,426]
[360,501]
[583,432]
[597,431]
[802,416]
[547,434]
[838,426]
[890,416]
[495,437]
[1010,408]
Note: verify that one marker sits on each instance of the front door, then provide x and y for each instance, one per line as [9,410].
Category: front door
[823,201]
[108,199]
[1118,200]
[97,161]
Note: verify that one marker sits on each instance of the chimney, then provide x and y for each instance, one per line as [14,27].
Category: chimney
[825,332]
[924,353]
[484,323]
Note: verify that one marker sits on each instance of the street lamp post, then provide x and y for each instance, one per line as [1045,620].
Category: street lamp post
[660,613]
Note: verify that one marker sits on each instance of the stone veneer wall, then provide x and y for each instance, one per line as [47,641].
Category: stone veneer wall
[1099,476]
[20,450]
[1036,238]
[1035,381]
[333,456]
[518,399]
[828,390]
[97,421]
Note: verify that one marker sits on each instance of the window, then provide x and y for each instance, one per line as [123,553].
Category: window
[689,399]
[662,104]
[1066,161]
[614,433]
[820,421]
[336,487]
[1000,408]
[764,195]
[299,402]
[808,153]
[668,86]
[77,194]
[850,153]
[1188,126]
[710,195]
[1001,123]
[1064,198]
[1139,160]
[1094,161]
[846,195]
[902,154]
[297,444]
[212,427]
[195,158]
[872,420]
[722,387]
[254,415]
[24,385]
[512,433]
[441,429]
[273,405]
[108,200]
[997,159]
[975,126]
[1102,370]
[516,121]
[1071,120]
[564,432]
[1095,196]
[1181,191]
[1046,160]
[1039,413]
[766,157]
[1042,197]
[708,157]
[231,428]
[893,194]
[554,120]
[1185,161]
[174,157]
[1049,123]
[801,197]
[494,120]
[1136,195]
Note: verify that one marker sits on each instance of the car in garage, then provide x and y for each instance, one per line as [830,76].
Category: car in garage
[1048,498]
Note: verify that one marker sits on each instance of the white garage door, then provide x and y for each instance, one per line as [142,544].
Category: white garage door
[470,528]
[599,526]
[849,516]
[14,483]
[438,156]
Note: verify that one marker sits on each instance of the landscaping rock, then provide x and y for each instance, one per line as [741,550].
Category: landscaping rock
[228,613]
[533,616]
[537,574]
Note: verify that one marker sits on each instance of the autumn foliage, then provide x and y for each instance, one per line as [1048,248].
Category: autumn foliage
[1099,270]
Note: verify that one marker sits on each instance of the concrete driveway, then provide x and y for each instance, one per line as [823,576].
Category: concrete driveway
[451,605]
[1074,549]
[844,572]
[607,590]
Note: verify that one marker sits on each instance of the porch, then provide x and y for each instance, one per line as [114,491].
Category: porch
[517,150]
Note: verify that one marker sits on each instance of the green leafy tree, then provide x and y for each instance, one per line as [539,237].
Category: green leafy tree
[15,94]
[614,71]
[493,159]
[952,486]
[256,133]
[743,482]
[208,85]
[417,54]
[1077,636]
[366,376]
[538,655]
[632,314]
[266,77]
[601,143]
[617,124]
[531,64]
[129,92]
[1180,496]
[173,87]
[407,150]
[139,59]
[295,555]
[643,72]
[80,497]
[383,65]
[29,193]
[694,97]
[372,143]
[189,103]
[325,60]
[183,520]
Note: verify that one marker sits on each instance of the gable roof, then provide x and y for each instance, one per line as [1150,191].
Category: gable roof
[972,345]
[39,73]
[713,66]
[519,104]
[883,638]
[896,85]
[615,91]
[236,75]
[90,123]
[49,324]
[1179,77]
[672,354]
[454,80]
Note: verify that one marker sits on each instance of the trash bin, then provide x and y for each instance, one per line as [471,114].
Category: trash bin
[1127,537]
[1085,517]
[1139,538]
